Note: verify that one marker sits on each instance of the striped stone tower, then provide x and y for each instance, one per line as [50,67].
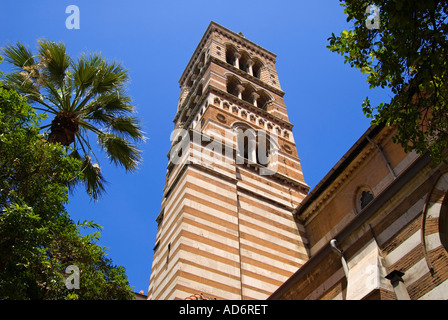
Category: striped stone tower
[226,228]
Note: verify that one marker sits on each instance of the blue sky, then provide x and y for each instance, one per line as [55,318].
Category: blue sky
[155,40]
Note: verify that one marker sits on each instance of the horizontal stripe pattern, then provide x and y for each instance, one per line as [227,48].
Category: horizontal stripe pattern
[225,240]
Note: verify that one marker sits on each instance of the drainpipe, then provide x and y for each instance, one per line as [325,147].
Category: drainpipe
[384,157]
[344,263]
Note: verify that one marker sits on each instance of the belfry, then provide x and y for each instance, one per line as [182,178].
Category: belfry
[226,228]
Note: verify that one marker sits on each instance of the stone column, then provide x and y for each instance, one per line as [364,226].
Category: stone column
[252,148]
[240,89]
[237,60]
[396,279]
[250,63]
[255,97]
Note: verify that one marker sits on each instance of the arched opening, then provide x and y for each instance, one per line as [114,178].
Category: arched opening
[263,99]
[363,197]
[244,62]
[196,71]
[247,94]
[264,148]
[232,85]
[254,146]
[366,197]
[246,141]
[256,68]
[189,82]
[199,90]
[231,55]
[202,59]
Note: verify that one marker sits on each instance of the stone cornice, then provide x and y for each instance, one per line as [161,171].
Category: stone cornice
[260,112]
[275,176]
[230,97]
[240,39]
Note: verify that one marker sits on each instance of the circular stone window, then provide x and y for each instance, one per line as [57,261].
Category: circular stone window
[221,117]
[287,148]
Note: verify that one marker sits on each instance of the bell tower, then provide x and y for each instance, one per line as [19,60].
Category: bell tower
[226,228]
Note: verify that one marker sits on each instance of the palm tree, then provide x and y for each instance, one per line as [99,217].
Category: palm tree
[84,96]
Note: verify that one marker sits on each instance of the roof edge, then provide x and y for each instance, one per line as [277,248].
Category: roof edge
[334,172]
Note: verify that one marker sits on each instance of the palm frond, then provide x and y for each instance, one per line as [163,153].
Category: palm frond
[127,127]
[88,127]
[23,84]
[124,126]
[55,96]
[84,73]
[93,179]
[85,70]
[26,87]
[110,77]
[120,151]
[99,116]
[18,55]
[56,60]
[85,144]
[115,102]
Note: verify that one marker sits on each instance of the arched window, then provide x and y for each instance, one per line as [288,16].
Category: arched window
[256,68]
[195,72]
[264,148]
[199,90]
[232,85]
[366,197]
[247,94]
[263,99]
[363,197]
[202,58]
[231,54]
[246,140]
[254,146]
[244,62]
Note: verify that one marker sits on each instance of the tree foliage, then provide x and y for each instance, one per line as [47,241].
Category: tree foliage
[407,53]
[38,240]
[85,97]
